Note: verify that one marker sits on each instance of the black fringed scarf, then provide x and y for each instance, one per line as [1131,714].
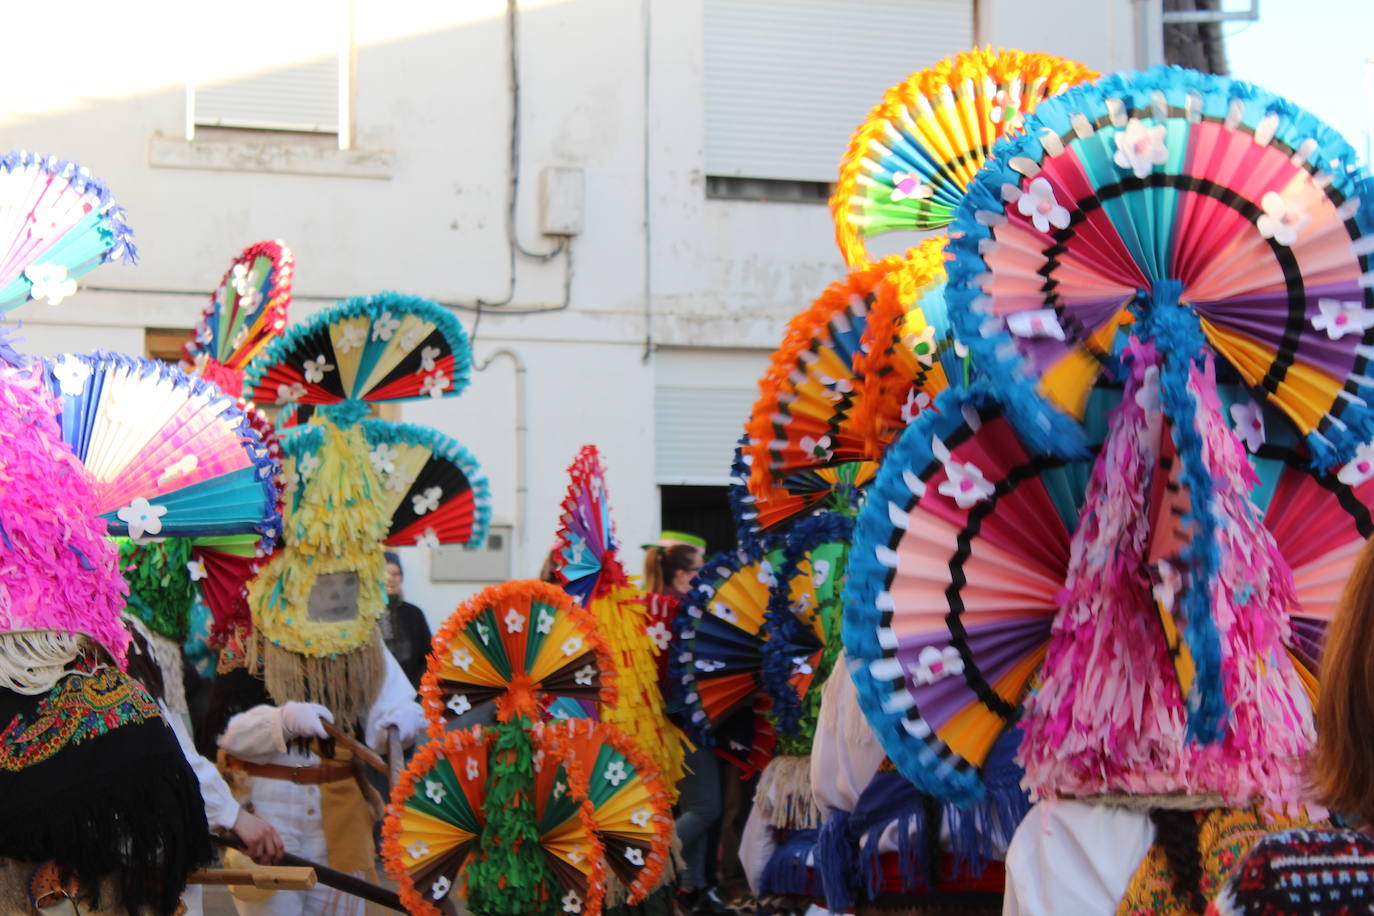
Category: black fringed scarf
[93,778]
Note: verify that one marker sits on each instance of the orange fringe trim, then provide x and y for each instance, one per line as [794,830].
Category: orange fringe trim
[1001,66]
[522,592]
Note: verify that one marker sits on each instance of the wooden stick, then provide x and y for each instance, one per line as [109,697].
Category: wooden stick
[332,878]
[396,756]
[276,877]
[364,753]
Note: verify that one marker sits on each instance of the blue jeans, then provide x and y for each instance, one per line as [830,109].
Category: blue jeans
[699,802]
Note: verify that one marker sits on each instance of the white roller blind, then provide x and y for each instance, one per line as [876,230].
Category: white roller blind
[787,81]
[696,430]
[303,96]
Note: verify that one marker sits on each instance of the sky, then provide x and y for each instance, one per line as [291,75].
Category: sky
[1313,52]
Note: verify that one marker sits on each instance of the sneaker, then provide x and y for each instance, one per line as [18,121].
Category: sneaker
[710,903]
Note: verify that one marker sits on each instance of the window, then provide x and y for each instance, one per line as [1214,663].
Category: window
[303,87]
[787,81]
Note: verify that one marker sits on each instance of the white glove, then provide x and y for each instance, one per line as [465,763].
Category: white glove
[305,720]
[407,719]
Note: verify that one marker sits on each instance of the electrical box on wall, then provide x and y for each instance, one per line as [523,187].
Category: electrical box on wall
[562,200]
[488,563]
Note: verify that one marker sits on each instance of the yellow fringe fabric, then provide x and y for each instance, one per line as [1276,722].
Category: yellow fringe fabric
[337,526]
[346,684]
[622,618]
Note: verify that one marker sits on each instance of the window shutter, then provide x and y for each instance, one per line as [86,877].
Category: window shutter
[302,97]
[696,430]
[787,81]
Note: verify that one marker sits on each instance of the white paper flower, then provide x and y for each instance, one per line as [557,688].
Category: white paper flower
[383,458]
[462,658]
[1039,204]
[515,621]
[572,903]
[615,772]
[1358,469]
[820,573]
[817,448]
[937,664]
[71,375]
[964,481]
[411,336]
[764,575]
[634,856]
[427,501]
[428,356]
[440,887]
[1139,148]
[708,665]
[250,299]
[537,760]
[835,388]
[396,482]
[142,517]
[724,611]
[916,401]
[908,186]
[641,817]
[473,769]
[1167,588]
[203,334]
[922,344]
[1249,423]
[417,850]
[383,326]
[544,623]
[316,368]
[584,676]
[483,633]
[659,632]
[238,278]
[1003,102]
[435,791]
[307,464]
[196,570]
[800,665]
[428,539]
[351,337]
[290,394]
[571,646]
[559,787]
[435,385]
[50,282]
[576,854]
[459,704]
[1339,318]
[1280,222]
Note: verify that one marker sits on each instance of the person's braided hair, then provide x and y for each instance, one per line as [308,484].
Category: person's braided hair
[1177,833]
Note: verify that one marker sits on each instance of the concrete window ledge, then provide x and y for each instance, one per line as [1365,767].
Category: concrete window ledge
[273,155]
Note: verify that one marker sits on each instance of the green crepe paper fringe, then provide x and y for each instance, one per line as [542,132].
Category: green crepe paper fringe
[160,587]
[511,876]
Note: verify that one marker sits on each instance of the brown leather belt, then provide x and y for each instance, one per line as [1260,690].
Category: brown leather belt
[303,776]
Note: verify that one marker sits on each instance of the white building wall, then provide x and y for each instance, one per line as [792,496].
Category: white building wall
[613,87]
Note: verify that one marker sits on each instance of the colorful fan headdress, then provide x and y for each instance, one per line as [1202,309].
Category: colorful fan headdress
[585,560]
[246,311]
[57,223]
[1216,218]
[386,347]
[908,165]
[60,578]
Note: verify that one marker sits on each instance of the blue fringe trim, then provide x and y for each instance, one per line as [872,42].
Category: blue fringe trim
[781,624]
[993,348]
[9,353]
[787,871]
[121,238]
[266,468]
[450,450]
[748,534]
[282,349]
[836,862]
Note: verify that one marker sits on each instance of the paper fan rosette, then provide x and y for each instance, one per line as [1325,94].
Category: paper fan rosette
[433,489]
[803,424]
[170,454]
[909,354]
[803,625]
[715,663]
[57,223]
[519,644]
[908,165]
[386,347]
[246,311]
[959,556]
[585,559]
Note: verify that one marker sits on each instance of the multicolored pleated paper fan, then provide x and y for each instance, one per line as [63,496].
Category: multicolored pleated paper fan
[908,165]
[585,551]
[387,347]
[246,311]
[57,223]
[171,455]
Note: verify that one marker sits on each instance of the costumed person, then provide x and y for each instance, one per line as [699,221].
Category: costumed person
[316,659]
[98,806]
[586,563]
[524,816]
[404,628]
[1198,247]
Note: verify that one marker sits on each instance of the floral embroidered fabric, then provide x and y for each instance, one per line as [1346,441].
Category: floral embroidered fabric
[82,706]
